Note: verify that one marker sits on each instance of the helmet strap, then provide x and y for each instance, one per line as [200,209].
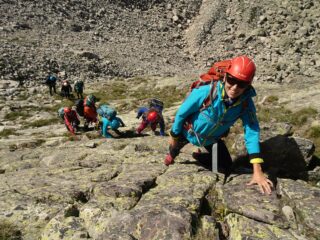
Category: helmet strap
[224,78]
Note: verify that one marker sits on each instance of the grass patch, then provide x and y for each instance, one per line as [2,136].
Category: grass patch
[12,116]
[300,117]
[54,108]
[42,122]
[272,99]
[138,80]
[280,114]
[266,114]
[124,90]
[7,132]
[9,231]
[169,95]
[114,91]
[314,132]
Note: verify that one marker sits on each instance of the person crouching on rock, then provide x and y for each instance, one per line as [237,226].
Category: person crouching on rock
[203,125]
[150,117]
[112,124]
[89,111]
[71,120]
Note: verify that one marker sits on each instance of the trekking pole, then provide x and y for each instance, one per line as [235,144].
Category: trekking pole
[215,157]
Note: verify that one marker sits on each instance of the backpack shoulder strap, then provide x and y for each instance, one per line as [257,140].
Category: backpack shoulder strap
[211,96]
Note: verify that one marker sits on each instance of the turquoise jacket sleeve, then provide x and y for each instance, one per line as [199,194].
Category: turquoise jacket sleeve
[190,105]
[251,129]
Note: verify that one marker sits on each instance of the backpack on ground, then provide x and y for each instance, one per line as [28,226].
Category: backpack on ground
[90,100]
[61,113]
[105,111]
[156,103]
[79,107]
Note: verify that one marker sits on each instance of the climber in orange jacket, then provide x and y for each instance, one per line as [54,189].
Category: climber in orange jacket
[89,110]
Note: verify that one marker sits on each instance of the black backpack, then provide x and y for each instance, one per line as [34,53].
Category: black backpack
[79,107]
[78,86]
[156,103]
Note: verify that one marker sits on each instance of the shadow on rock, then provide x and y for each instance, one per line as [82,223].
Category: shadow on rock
[127,134]
[284,156]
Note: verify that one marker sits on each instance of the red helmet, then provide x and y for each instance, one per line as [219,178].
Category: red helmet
[67,110]
[242,68]
[152,116]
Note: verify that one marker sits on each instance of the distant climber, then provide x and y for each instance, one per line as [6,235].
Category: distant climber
[89,111]
[109,120]
[78,88]
[51,81]
[66,89]
[150,116]
[70,118]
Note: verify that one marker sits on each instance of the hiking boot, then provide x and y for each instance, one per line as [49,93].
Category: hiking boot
[204,159]
[168,160]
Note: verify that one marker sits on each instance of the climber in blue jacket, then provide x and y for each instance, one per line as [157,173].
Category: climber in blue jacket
[231,100]
[112,124]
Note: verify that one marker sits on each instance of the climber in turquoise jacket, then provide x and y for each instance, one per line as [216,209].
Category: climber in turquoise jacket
[113,124]
[202,120]
[211,123]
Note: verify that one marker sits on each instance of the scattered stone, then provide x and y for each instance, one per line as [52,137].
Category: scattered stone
[91,145]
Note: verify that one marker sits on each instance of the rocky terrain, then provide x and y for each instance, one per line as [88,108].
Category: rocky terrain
[54,186]
[92,39]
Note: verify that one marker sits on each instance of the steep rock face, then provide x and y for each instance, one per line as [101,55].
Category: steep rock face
[158,37]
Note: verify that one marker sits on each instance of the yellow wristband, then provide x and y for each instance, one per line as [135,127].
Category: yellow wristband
[256,160]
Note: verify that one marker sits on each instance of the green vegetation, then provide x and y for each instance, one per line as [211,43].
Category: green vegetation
[54,108]
[12,116]
[7,132]
[314,132]
[131,90]
[41,122]
[9,231]
[272,99]
[300,117]
[280,114]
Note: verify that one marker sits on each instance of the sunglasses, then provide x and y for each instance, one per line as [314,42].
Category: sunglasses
[233,81]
